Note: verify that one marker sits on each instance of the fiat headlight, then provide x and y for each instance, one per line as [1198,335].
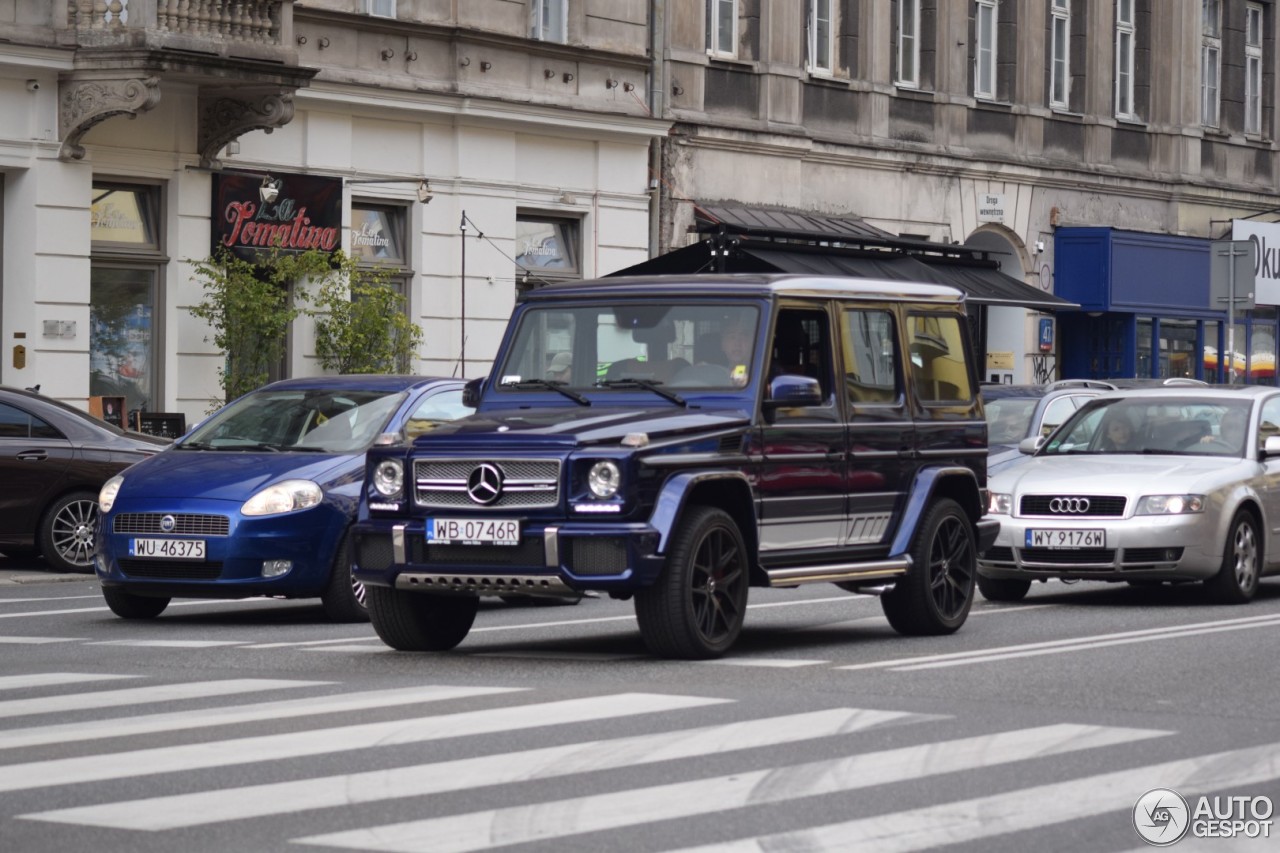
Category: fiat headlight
[388,477]
[604,478]
[1170,504]
[999,504]
[107,495]
[288,496]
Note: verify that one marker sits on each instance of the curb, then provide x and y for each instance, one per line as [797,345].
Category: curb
[11,578]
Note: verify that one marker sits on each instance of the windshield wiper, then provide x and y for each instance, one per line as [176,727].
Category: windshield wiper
[195,445]
[273,448]
[647,384]
[551,386]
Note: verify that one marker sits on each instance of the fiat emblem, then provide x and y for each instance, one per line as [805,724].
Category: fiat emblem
[168,523]
[485,484]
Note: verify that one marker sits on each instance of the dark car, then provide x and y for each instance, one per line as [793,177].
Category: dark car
[705,435]
[1017,412]
[256,499]
[53,460]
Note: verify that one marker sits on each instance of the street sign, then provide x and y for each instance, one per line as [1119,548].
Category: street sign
[1231,265]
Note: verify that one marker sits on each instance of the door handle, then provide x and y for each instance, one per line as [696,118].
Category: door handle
[33,456]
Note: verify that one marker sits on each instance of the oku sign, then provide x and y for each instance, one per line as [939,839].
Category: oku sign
[306,214]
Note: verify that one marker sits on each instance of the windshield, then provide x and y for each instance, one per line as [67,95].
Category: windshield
[329,421]
[1009,419]
[628,345]
[1156,425]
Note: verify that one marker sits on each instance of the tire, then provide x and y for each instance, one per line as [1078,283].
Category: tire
[1003,589]
[1237,580]
[696,607]
[934,597]
[419,621]
[126,605]
[344,596]
[66,533]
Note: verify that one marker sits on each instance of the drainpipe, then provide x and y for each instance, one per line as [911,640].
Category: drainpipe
[657,109]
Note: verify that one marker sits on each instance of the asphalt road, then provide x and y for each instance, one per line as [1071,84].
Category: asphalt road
[257,726]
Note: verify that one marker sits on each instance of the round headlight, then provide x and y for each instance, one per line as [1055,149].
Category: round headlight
[604,478]
[107,496]
[388,478]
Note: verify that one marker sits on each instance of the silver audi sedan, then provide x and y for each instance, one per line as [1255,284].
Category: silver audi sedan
[1145,486]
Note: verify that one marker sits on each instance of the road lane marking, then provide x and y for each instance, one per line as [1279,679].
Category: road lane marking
[172,604]
[1023,809]
[50,679]
[206,807]
[1145,634]
[559,819]
[169,644]
[140,695]
[781,663]
[296,744]
[147,724]
[35,641]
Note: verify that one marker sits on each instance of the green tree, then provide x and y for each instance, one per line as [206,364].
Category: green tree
[361,324]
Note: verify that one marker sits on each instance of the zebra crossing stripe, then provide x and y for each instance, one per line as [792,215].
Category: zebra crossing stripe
[206,807]
[182,720]
[53,679]
[225,753]
[542,821]
[38,641]
[1024,809]
[140,695]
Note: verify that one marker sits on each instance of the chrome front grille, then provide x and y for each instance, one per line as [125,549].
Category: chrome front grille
[526,483]
[1106,506]
[184,524]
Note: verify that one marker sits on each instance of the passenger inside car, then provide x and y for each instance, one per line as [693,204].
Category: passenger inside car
[1118,436]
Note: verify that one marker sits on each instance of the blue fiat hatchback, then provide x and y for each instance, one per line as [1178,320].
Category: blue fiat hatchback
[256,500]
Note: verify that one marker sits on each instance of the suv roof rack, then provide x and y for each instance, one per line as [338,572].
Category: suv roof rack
[1079,383]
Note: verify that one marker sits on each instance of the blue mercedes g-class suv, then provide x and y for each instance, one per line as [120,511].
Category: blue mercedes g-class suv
[678,440]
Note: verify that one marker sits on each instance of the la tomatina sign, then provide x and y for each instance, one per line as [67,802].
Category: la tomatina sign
[306,215]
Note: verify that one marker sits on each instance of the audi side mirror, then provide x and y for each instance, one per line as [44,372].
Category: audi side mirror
[1030,445]
[1271,447]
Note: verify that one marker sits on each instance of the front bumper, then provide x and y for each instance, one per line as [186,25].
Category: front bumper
[1174,547]
[551,559]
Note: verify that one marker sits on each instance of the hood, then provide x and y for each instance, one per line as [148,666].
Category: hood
[1002,456]
[562,427]
[1112,474]
[225,475]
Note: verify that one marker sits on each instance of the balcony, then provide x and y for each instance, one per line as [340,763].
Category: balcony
[239,55]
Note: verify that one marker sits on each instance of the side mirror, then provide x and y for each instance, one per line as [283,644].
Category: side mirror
[471,393]
[1030,445]
[1271,447]
[791,390]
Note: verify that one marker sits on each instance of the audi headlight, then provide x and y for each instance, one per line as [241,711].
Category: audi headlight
[388,477]
[107,495]
[604,478]
[999,504]
[288,496]
[1170,504]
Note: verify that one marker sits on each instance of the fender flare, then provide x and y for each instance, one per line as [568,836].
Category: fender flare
[674,494]
[923,487]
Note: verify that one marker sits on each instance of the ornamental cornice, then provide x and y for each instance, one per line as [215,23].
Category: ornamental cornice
[225,116]
[84,103]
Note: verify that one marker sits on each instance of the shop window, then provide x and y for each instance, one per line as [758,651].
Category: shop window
[547,249]
[378,235]
[1177,348]
[1144,354]
[1262,352]
[1212,345]
[548,21]
[123,287]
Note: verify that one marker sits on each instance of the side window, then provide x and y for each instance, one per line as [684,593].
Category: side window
[938,363]
[1269,420]
[870,355]
[14,423]
[1056,412]
[433,411]
[802,347]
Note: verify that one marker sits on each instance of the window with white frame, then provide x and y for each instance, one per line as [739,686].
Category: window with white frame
[548,21]
[908,74]
[1126,33]
[1253,69]
[722,27]
[1210,61]
[820,39]
[1060,54]
[984,60]
[380,8]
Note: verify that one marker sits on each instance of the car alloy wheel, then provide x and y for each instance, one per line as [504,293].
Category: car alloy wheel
[67,534]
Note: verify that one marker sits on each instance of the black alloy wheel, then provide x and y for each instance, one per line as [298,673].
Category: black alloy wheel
[934,597]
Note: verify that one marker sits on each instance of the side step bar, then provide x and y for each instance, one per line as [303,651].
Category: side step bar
[838,573]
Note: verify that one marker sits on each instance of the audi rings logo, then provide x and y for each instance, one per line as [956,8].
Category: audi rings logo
[1076,506]
[485,484]
[167,523]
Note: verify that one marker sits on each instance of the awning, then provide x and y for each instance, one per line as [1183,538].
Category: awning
[980,280]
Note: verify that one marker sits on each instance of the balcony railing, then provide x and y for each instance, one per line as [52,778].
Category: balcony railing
[230,22]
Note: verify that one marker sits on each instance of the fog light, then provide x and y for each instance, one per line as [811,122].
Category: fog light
[101,563]
[276,568]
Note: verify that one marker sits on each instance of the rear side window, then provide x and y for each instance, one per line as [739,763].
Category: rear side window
[15,423]
[870,353]
[938,359]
